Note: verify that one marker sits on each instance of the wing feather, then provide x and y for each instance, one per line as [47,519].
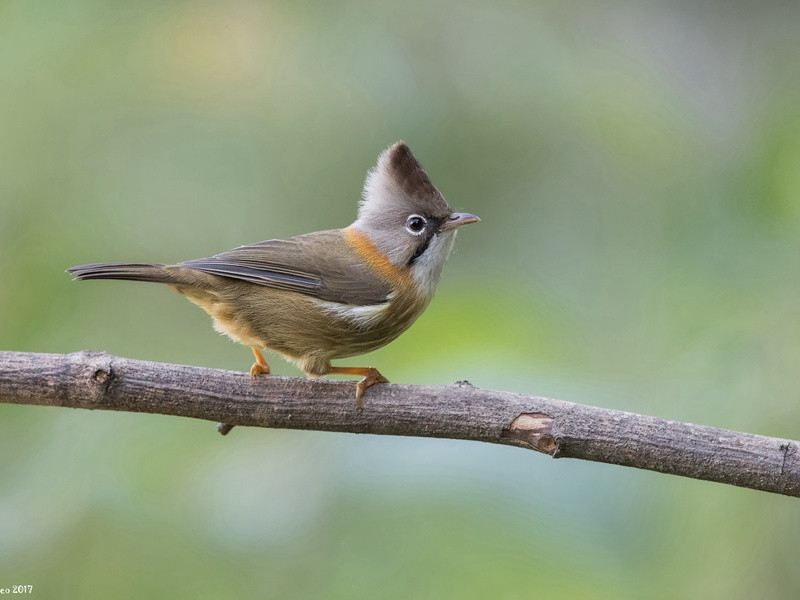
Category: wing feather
[319,264]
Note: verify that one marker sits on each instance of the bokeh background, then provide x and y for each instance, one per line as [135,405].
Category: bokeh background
[637,169]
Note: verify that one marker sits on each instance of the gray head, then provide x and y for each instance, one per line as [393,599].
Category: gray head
[406,217]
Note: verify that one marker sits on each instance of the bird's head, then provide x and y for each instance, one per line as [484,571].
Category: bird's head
[407,218]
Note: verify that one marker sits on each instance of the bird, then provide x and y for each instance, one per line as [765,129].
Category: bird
[328,294]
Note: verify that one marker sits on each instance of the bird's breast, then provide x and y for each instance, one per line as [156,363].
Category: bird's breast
[361,329]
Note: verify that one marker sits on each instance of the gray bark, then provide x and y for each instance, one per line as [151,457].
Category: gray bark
[460,411]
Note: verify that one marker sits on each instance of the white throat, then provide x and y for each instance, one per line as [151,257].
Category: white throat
[428,267]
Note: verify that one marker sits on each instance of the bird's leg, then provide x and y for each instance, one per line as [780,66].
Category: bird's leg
[371,376]
[260,367]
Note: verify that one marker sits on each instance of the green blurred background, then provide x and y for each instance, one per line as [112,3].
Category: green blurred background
[637,169]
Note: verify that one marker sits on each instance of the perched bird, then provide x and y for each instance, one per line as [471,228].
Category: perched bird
[328,294]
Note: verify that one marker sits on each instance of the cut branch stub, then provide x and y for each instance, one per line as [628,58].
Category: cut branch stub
[534,431]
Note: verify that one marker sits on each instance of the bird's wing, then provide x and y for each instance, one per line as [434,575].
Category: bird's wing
[319,264]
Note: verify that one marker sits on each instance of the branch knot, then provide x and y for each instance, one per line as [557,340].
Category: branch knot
[97,368]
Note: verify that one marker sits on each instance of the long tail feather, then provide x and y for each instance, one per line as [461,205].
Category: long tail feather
[128,271]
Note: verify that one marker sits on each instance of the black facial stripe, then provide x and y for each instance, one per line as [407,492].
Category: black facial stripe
[421,250]
[431,230]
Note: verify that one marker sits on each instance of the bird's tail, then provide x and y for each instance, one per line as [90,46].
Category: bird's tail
[129,271]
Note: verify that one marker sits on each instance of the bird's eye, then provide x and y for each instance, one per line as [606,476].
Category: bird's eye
[415,224]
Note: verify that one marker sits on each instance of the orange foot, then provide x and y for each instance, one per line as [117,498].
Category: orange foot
[371,376]
[260,367]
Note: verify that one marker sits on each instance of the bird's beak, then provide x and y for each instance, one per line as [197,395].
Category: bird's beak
[457,220]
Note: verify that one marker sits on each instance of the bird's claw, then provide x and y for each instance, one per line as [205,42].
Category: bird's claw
[371,377]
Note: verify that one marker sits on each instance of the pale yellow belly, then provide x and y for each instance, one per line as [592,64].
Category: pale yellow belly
[303,329]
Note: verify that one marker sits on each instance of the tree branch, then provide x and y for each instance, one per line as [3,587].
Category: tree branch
[460,411]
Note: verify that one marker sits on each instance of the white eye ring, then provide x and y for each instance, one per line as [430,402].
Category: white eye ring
[415,224]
